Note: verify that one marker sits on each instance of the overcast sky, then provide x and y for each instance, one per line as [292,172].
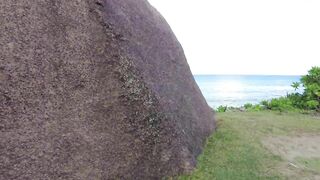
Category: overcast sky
[246,36]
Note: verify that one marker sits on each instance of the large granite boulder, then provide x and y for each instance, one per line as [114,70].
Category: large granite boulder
[93,89]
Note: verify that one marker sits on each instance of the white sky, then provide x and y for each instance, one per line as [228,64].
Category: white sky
[246,36]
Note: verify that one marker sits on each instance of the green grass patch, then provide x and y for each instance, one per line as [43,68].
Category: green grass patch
[312,164]
[235,151]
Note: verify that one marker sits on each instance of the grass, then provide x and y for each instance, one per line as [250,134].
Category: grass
[311,164]
[235,151]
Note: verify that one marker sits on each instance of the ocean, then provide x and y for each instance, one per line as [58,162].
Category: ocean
[236,90]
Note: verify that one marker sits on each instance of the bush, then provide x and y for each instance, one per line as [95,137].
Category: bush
[265,103]
[248,106]
[312,104]
[311,84]
[281,104]
[308,100]
[222,108]
[297,100]
[256,107]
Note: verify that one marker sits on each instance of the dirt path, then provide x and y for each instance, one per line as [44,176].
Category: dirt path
[301,155]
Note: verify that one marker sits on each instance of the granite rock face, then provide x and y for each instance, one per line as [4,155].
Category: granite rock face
[95,89]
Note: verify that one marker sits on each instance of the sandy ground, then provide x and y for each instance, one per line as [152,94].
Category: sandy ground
[289,148]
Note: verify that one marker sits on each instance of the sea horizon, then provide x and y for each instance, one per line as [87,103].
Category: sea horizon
[237,90]
[248,74]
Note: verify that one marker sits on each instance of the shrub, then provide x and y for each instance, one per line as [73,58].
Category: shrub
[296,85]
[311,84]
[280,104]
[308,100]
[222,108]
[256,107]
[312,104]
[265,104]
[297,100]
[248,106]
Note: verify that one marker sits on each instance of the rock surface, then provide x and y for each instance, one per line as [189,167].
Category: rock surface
[95,89]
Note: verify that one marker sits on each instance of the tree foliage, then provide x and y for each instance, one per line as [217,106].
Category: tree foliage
[311,84]
[309,99]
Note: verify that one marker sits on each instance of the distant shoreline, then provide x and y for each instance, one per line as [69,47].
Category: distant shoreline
[242,75]
[237,90]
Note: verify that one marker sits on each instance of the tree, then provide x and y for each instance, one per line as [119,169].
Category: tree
[311,84]
[295,85]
